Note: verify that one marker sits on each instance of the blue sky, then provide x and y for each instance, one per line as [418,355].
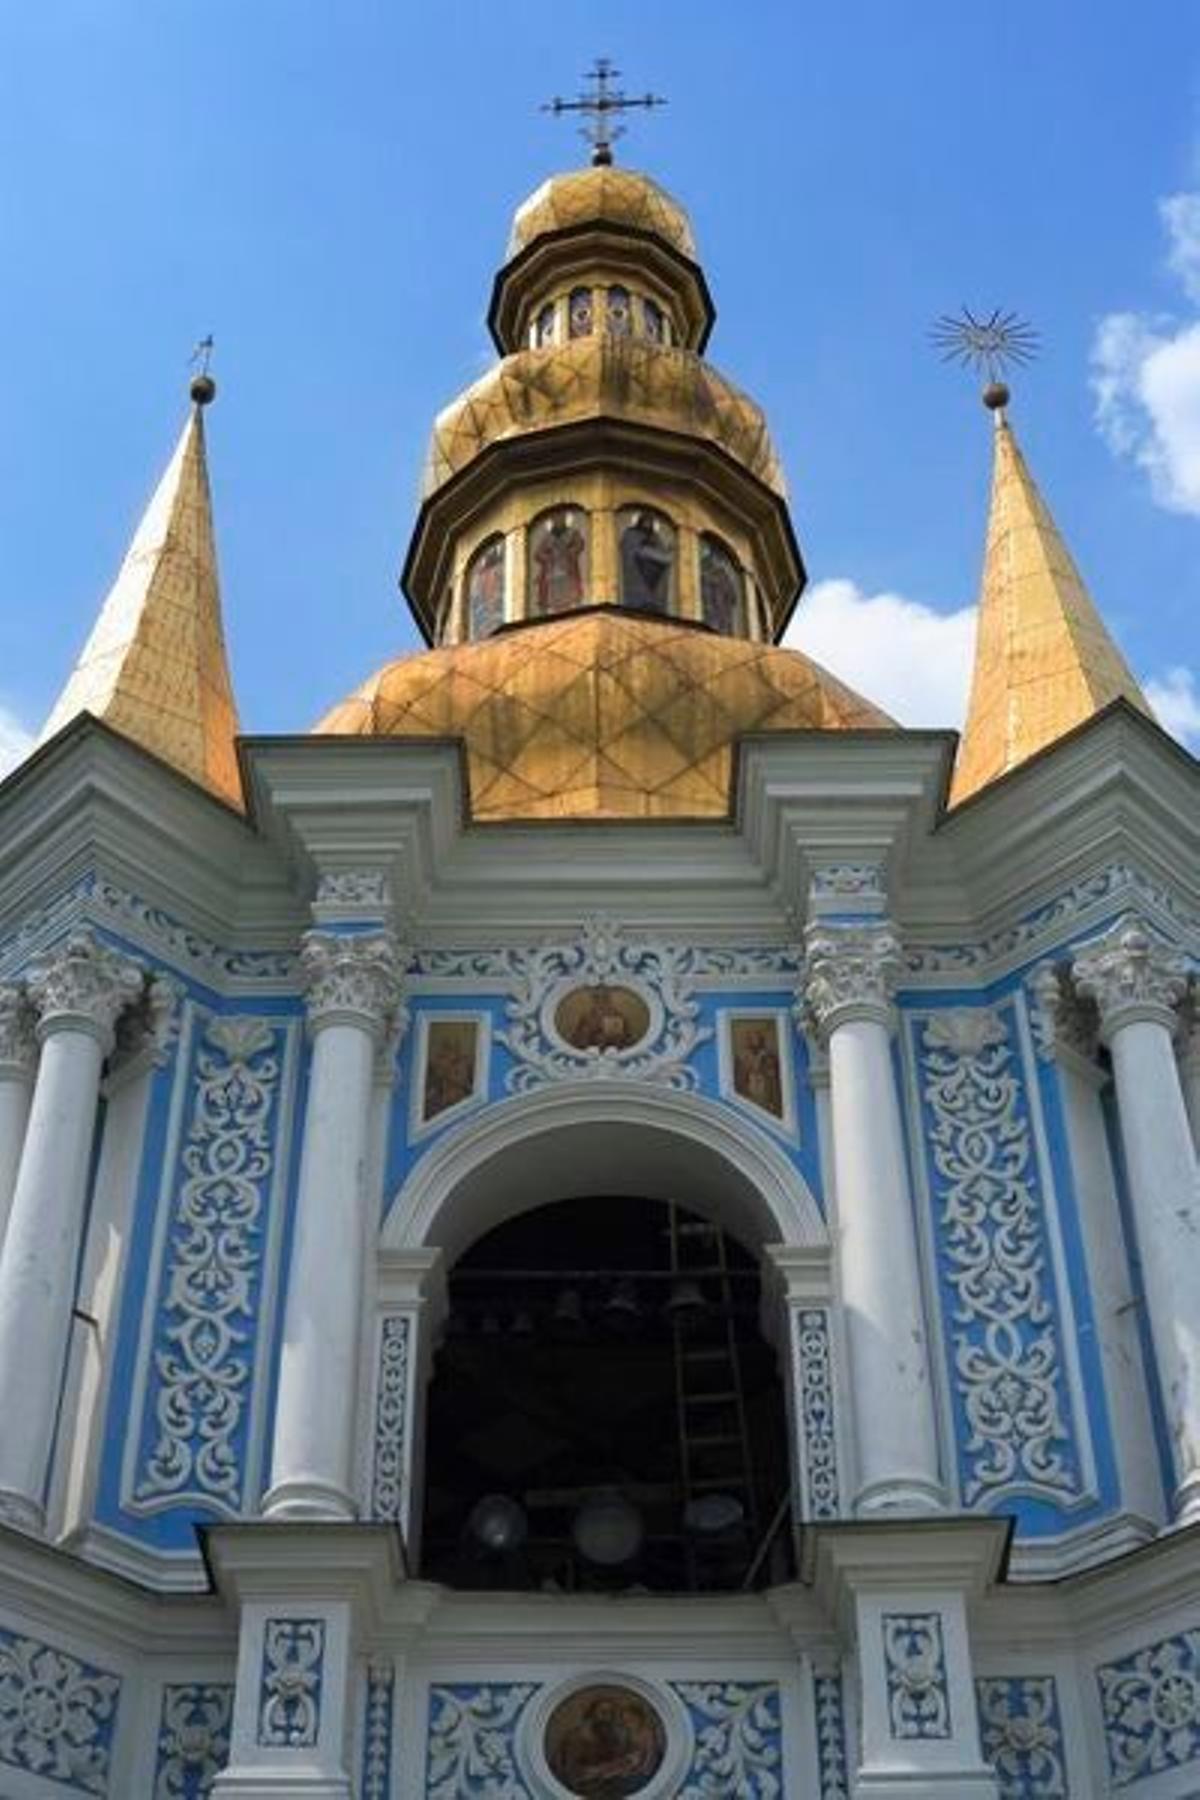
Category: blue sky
[327,188]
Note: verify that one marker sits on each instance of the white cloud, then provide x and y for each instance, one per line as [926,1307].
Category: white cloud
[915,662]
[906,657]
[1146,374]
[15,741]
[1175,698]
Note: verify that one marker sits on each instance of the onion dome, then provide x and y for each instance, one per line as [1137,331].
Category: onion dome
[601,715]
[602,195]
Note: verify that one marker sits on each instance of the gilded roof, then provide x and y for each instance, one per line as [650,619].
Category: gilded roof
[1044,661]
[608,195]
[155,666]
[600,715]
[601,376]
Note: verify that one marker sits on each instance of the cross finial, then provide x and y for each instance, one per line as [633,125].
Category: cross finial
[203,388]
[600,104]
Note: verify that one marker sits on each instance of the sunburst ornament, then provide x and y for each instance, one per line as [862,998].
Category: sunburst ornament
[992,344]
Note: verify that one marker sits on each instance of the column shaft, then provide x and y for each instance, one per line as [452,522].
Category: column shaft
[353,989]
[1160,1163]
[18,1059]
[880,1276]
[318,1372]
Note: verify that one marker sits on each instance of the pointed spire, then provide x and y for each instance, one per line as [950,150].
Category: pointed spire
[155,666]
[1044,661]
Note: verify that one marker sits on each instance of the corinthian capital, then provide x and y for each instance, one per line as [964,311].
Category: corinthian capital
[351,980]
[84,986]
[18,1041]
[850,972]
[1131,975]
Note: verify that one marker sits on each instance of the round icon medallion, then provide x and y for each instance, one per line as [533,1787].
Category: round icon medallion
[602,1018]
[605,1742]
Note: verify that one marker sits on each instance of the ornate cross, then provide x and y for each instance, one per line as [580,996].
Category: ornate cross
[599,105]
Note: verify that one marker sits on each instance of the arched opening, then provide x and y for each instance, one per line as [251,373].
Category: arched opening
[647,545]
[605,1414]
[485,590]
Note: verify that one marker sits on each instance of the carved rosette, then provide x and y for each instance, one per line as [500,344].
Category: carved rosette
[1132,976]
[18,1038]
[850,972]
[352,980]
[84,986]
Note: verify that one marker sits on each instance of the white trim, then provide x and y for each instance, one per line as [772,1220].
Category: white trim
[566,1131]
[420,1127]
[789,1125]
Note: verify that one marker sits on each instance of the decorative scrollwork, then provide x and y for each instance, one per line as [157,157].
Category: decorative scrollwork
[822,1499]
[202,1362]
[994,1260]
[18,1041]
[1151,1706]
[391,1417]
[1021,1732]
[377,1732]
[472,1740]
[656,971]
[914,1661]
[193,1738]
[57,1714]
[832,1761]
[738,1739]
[293,1673]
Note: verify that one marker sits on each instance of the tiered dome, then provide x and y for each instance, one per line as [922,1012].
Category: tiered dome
[621,197]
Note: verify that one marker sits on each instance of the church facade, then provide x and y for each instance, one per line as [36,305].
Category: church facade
[607,1222]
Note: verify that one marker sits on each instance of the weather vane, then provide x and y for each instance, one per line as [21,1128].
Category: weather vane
[203,387]
[599,105]
[991,345]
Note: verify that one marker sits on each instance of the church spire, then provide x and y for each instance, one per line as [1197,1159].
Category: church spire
[1044,661]
[155,666]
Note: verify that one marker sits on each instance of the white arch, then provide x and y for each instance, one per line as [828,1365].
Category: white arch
[618,1137]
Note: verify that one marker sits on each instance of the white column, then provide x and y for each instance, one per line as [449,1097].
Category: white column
[18,1059]
[78,994]
[353,989]
[851,971]
[1137,981]
[1189,1064]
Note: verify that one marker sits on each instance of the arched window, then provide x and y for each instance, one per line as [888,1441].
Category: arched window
[485,589]
[654,321]
[619,312]
[579,312]
[543,329]
[647,561]
[605,1415]
[557,561]
[721,591]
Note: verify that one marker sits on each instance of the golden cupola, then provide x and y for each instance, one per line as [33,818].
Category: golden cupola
[603,559]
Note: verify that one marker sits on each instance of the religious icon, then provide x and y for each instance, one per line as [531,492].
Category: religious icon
[485,590]
[602,1018]
[619,314]
[605,1743]
[655,321]
[757,1065]
[557,554]
[720,587]
[543,330]
[579,312]
[450,1061]
[647,562]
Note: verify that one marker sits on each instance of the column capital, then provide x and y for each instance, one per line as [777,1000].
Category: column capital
[18,1036]
[850,972]
[352,979]
[84,986]
[1132,976]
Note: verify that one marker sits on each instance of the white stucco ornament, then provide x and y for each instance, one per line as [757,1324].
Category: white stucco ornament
[602,1006]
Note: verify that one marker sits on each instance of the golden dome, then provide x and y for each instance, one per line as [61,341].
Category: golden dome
[608,377]
[600,715]
[602,195]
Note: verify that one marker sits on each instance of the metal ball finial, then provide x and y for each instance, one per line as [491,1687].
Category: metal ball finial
[203,390]
[996,396]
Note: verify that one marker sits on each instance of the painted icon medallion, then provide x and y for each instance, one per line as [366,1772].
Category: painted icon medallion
[605,1742]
